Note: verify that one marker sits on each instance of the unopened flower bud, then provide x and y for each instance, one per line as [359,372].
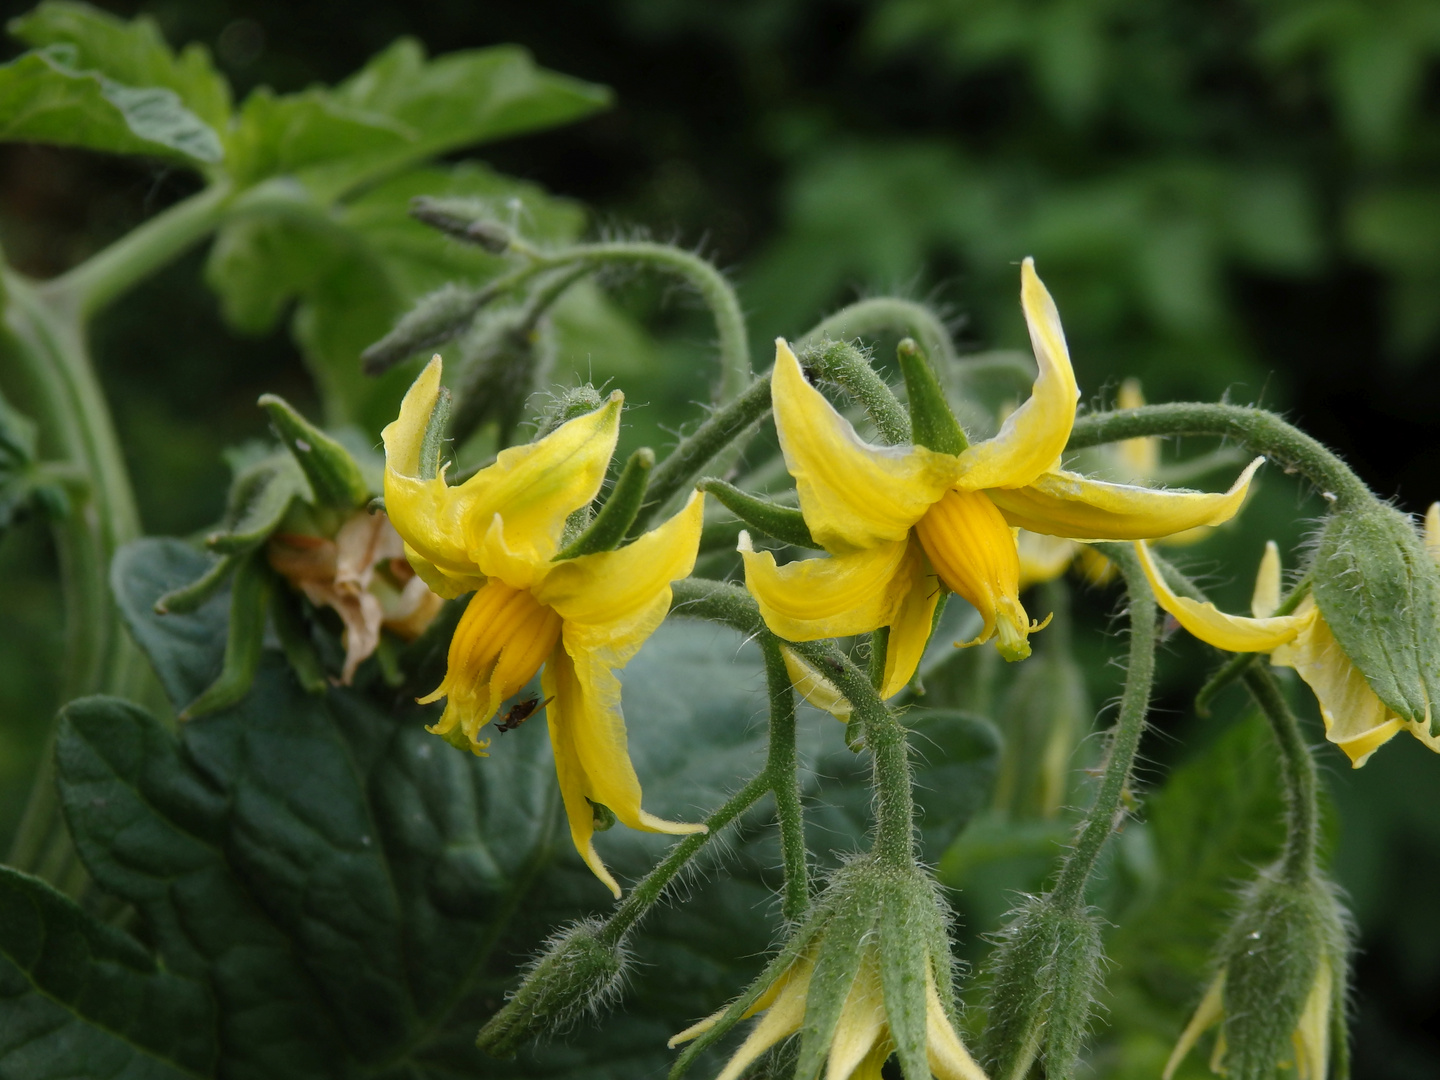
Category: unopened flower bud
[1280,983]
[464,219]
[436,318]
[578,972]
[501,360]
[1045,977]
[1378,589]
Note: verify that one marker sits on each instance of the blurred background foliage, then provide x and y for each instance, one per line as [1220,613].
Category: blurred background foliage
[1236,198]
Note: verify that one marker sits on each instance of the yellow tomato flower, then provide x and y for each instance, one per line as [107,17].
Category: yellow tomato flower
[861,1043]
[1310,1039]
[896,519]
[497,535]
[1356,720]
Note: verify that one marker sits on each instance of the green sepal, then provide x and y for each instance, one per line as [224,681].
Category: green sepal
[579,971]
[602,817]
[905,937]
[857,906]
[1271,956]
[436,318]
[335,478]
[468,220]
[288,616]
[1045,976]
[187,598]
[618,513]
[784,523]
[249,604]
[433,444]
[932,424]
[259,500]
[1379,591]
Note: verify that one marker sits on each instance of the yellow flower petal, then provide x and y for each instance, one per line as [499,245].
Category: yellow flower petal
[619,590]
[1034,435]
[910,629]
[853,495]
[1139,457]
[500,642]
[1232,632]
[1043,558]
[1432,531]
[949,1060]
[798,973]
[833,596]
[1311,1036]
[1068,504]
[1266,597]
[590,713]
[862,1020]
[780,1021]
[973,552]
[533,488]
[1210,1012]
[815,688]
[1355,719]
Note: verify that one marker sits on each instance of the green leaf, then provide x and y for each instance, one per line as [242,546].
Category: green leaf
[44,98]
[279,136]
[83,998]
[453,101]
[132,52]
[186,650]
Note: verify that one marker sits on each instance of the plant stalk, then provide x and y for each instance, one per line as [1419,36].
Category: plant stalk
[1302,804]
[783,769]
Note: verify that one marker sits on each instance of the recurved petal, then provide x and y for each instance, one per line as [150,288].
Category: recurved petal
[1432,531]
[853,495]
[780,1021]
[910,629]
[1355,719]
[620,590]
[815,688]
[1034,435]
[1232,632]
[597,732]
[861,1023]
[1209,1013]
[1063,503]
[949,1060]
[406,435]
[834,596]
[535,487]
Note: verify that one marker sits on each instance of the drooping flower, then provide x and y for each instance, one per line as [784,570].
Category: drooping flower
[498,534]
[363,577]
[858,987]
[1356,720]
[897,522]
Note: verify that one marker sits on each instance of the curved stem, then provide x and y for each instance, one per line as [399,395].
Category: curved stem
[683,464]
[717,292]
[1264,432]
[881,313]
[842,363]
[731,605]
[1125,739]
[783,770]
[1302,807]
[100,279]
[653,885]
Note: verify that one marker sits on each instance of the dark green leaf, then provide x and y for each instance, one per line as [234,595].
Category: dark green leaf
[186,650]
[80,998]
[131,52]
[44,98]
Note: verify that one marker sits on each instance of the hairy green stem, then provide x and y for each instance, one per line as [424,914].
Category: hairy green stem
[886,313]
[1302,805]
[653,885]
[89,287]
[717,293]
[1262,431]
[884,736]
[1125,739]
[783,769]
[683,464]
[845,365]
